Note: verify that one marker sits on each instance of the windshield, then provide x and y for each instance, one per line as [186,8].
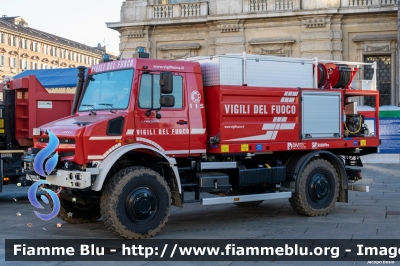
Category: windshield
[108,90]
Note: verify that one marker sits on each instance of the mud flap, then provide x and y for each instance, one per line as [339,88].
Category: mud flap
[343,195]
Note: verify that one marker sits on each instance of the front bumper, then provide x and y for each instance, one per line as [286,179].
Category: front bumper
[70,179]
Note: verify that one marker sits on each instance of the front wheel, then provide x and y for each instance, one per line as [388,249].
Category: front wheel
[318,189]
[136,203]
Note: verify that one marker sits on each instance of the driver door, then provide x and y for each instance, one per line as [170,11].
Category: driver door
[170,132]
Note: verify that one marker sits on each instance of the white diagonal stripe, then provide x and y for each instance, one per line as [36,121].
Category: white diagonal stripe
[269,126]
[258,137]
[269,134]
[198,151]
[95,157]
[197,131]
[151,142]
[105,138]
[272,130]
[274,135]
[288,126]
[177,152]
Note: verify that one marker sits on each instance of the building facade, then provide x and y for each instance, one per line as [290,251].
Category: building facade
[22,47]
[351,30]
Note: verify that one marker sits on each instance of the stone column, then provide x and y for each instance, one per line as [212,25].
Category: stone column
[204,9]
[176,13]
[246,6]
[344,3]
[296,4]
[376,2]
[271,5]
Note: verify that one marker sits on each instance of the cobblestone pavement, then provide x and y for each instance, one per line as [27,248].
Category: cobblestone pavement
[371,215]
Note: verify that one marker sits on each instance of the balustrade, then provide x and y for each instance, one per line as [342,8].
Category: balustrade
[360,2]
[190,10]
[164,11]
[258,5]
[389,2]
[193,9]
[283,4]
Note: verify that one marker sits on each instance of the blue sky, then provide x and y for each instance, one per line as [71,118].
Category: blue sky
[79,20]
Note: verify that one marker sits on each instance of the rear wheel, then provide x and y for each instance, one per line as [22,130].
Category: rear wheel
[318,189]
[136,203]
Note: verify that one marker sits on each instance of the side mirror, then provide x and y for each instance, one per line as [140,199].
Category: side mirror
[167,101]
[166,82]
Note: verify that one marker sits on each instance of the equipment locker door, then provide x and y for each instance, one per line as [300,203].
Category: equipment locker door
[170,133]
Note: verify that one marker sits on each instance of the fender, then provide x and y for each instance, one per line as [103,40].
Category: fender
[298,162]
[109,161]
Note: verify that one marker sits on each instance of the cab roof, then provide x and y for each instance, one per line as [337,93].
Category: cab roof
[148,65]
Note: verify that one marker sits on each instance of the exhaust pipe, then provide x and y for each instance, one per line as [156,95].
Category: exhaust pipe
[79,86]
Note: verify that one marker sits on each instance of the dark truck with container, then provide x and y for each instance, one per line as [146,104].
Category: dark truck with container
[26,105]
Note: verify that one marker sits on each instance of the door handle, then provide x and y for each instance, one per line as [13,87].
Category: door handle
[182,122]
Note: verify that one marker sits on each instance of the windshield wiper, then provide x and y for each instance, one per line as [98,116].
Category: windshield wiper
[111,107]
[91,106]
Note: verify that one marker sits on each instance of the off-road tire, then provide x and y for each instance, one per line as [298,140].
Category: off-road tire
[78,213]
[312,198]
[129,197]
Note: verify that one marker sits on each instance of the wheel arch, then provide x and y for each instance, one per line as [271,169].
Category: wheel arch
[296,164]
[113,157]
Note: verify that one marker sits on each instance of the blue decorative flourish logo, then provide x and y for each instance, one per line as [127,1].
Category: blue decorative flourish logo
[52,158]
[32,198]
[44,154]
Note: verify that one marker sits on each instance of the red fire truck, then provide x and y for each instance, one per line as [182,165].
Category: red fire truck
[242,128]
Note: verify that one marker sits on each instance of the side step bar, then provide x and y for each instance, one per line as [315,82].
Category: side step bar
[245,198]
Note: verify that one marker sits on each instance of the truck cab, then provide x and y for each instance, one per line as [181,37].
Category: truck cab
[121,104]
